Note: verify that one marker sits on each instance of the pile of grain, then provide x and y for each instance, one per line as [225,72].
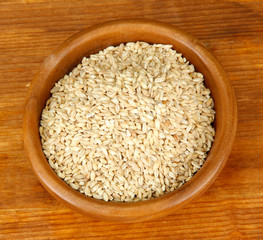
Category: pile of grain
[130,123]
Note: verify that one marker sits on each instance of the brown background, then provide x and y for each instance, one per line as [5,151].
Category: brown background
[233,30]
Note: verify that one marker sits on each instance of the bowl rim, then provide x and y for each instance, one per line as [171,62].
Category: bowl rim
[132,211]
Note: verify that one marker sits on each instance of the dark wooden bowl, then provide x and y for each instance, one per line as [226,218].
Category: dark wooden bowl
[96,38]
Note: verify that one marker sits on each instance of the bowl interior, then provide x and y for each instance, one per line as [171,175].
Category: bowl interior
[92,40]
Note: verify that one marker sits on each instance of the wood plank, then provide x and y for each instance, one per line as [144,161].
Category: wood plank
[231,209]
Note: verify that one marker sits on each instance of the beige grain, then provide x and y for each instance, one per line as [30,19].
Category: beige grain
[129,123]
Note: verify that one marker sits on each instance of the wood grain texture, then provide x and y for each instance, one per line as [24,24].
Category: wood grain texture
[231,209]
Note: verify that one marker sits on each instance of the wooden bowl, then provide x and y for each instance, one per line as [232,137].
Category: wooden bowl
[96,38]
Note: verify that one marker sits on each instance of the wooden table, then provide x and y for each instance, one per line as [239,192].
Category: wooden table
[231,209]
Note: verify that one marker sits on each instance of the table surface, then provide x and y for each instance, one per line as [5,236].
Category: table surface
[232,208]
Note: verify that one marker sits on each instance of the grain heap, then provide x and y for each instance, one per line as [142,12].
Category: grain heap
[129,123]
